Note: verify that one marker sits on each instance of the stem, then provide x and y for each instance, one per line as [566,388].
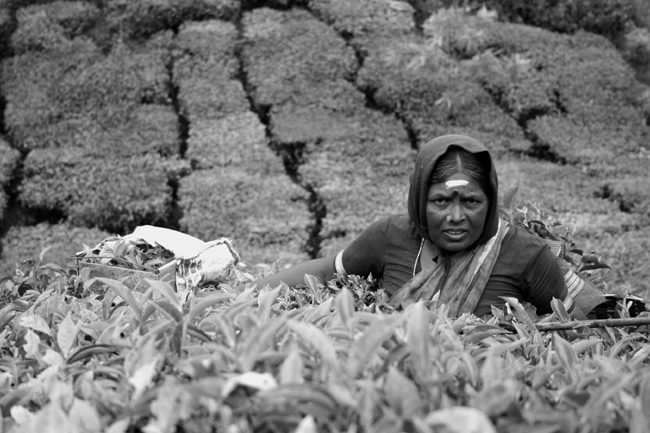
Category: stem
[595,323]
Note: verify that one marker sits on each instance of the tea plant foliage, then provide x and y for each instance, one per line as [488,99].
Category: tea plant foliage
[85,354]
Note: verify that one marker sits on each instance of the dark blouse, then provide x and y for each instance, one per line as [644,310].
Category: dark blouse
[526,268]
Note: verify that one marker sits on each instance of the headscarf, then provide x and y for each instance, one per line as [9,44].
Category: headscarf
[425,163]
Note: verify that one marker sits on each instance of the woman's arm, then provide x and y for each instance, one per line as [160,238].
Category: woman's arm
[322,268]
[546,281]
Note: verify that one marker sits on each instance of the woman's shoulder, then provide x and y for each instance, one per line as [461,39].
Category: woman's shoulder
[522,244]
[399,225]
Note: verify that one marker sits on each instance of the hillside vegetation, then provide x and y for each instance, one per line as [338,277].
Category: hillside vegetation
[288,126]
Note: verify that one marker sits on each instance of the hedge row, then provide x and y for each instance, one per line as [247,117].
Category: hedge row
[355,159]
[43,27]
[572,93]
[116,194]
[239,188]
[290,56]
[366,23]
[98,126]
[63,240]
[79,86]
[434,98]
[264,214]
[143,18]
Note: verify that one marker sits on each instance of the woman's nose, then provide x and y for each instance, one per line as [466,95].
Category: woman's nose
[457,213]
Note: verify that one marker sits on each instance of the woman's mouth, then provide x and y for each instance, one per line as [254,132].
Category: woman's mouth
[455,234]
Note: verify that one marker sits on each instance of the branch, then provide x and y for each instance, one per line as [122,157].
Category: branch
[596,323]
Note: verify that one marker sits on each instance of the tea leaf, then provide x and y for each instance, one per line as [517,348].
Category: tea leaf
[520,313]
[206,303]
[124,293]
[259,339]
[53,358]
[32,342]
[307,425]
[566,355]
[644,395]
[318,339]
[291,369]
[84,417]
[250,379]
[165,290]
[616,348]
[364,347]
[402,394]
[581,346]
[265,301]
[66,334]
[37,323]
[345,306]
[560,311]
[594,408]
[142,378]
[496,399]
[51,419]
[417,341]
[21,415]
[460,420]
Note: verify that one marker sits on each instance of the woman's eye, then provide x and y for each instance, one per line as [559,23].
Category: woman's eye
[439,201]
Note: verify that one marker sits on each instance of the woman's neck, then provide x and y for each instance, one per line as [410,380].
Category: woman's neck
[430,254]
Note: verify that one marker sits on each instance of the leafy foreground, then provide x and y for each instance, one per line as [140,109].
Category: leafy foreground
[89,355]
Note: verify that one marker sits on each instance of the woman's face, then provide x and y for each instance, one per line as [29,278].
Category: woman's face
[456,212]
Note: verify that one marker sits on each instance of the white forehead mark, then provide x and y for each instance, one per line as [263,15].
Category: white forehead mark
[455,183]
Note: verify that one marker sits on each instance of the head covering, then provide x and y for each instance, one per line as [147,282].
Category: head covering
[425,164]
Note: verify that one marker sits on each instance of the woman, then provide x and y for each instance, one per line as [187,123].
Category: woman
[451,248]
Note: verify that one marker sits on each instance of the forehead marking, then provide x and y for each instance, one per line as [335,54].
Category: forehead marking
[456,183]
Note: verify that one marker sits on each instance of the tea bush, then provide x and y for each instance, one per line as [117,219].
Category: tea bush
[206,50]
[583,113]
[41,27]
[113,194]
[266,215]
[433,98]
[149,129]
[59,242]
[28,86]
[366,22]
[79,84]
[289,56]
[610,18]
[210,145]
[144,18]
[317,358]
